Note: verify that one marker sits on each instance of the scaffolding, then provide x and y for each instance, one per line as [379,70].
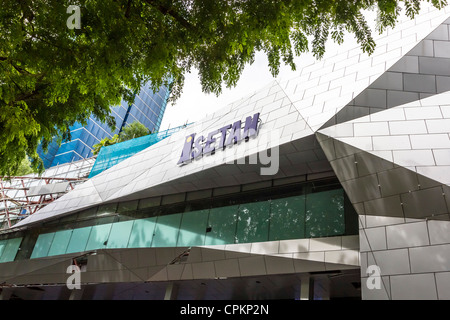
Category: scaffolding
[25,195]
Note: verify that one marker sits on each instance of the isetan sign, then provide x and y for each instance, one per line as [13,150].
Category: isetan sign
[197,146]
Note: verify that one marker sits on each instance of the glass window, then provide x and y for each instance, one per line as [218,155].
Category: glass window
[78,240]
[149,202]
[325,213]
[317,214]
[193,228]
[127,206]
[42,246]
[142,233]
[2,246]
[287,220]
[109,208]
[166,230]
[10,250]
[69,218]
[88,213]
[253,222]
[120,234]
[60,242]
[221,225]
[99,237]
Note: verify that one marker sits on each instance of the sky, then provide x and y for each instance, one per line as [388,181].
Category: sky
[194,105]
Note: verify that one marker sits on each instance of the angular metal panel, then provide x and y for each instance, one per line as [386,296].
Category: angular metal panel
[424,203]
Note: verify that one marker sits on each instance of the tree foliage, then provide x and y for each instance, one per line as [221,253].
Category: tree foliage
[24,168]
[52,76]
[107,141]
[131,131]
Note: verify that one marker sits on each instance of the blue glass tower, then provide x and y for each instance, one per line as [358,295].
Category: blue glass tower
[148,108]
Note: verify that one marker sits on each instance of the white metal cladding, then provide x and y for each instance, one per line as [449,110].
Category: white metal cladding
[393,163]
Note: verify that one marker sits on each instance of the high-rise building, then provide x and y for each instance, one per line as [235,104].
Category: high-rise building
[148,108]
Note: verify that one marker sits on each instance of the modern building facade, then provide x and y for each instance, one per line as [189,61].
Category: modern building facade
[330,185]
[148,108]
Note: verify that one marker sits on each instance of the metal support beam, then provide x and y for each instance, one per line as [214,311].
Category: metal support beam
[306,288]
[76,294]
[171,291]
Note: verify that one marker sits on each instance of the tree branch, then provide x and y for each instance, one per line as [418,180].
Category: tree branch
[18,69]
[36,92]
[21,70]
[171,12]
[27,96]
[127,11]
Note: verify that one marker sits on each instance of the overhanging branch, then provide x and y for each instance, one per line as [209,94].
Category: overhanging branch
[169,10]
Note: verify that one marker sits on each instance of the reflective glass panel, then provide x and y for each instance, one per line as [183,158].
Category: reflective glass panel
[253,222]
[88,213]
[193,228]
[166,230]
[108,208]
[287,219]
[222,225]
[78,240]
[99,237]
[2,246]
[60,242]
[10,251]
[42,246]
[120,234]
[142,233]
[127,206]
[325,213]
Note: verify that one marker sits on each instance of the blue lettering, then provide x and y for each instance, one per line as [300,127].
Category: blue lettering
[186,153]
[224,135]
[209,145]
[194,148]
[235,134]
[198,148]
[251,126]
